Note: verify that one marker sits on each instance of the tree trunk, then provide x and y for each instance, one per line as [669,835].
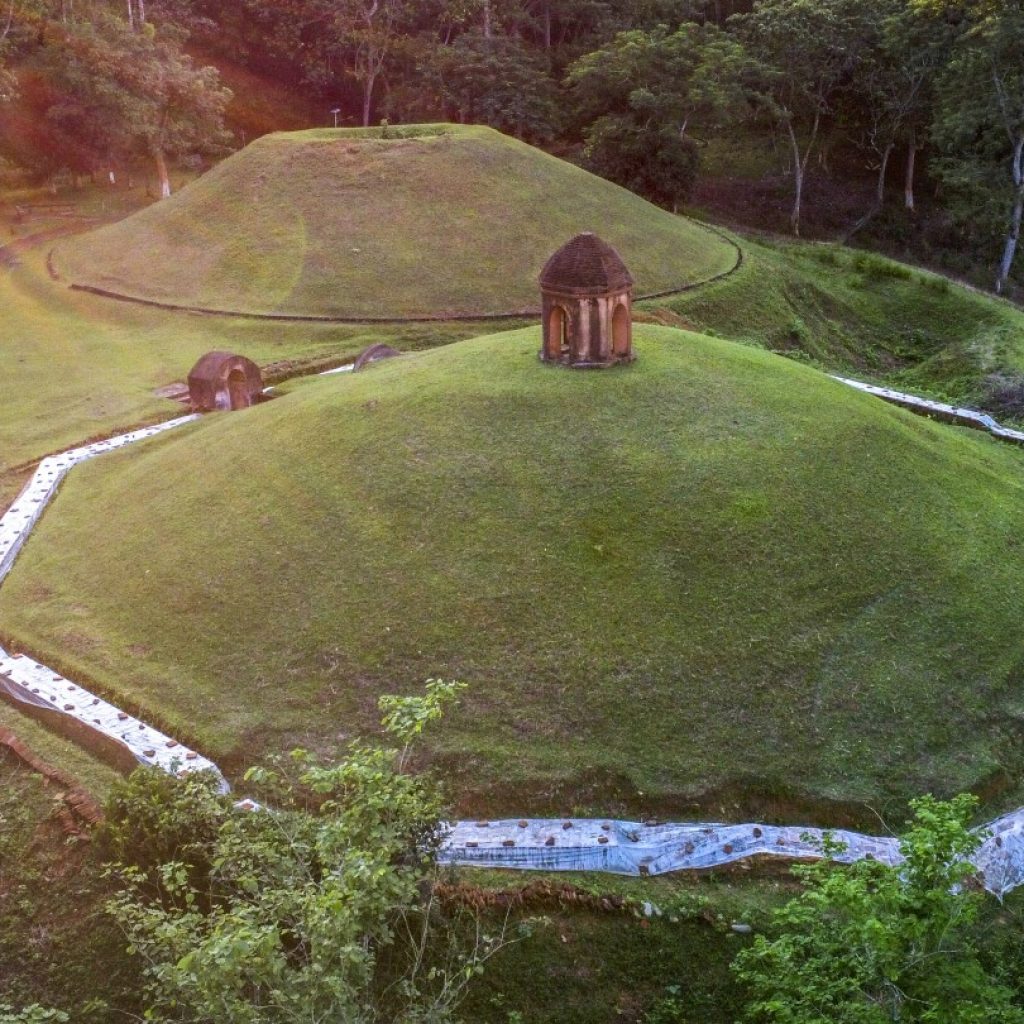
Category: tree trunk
[880,190]
[908,186]
[1010,250]
[1013,235]
[547,26]
[879,202]
[368,99]
[800,169]
[162,176]
[487,19]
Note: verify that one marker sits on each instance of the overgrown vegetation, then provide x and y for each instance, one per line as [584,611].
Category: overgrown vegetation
[869,942]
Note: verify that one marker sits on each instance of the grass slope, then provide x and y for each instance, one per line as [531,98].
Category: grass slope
[73,366]
[850,310]
[92,774]
[714,567]
[456,220]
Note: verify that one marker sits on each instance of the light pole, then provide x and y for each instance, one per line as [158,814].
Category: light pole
[336,111]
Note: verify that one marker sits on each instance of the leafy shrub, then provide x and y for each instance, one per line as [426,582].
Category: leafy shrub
[668,1010]
[653,162]
[33,1014]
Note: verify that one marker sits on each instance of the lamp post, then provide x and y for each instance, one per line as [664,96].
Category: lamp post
[336,111]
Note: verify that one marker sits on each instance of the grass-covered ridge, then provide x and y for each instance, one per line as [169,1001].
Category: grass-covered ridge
[714,566]
[433,220]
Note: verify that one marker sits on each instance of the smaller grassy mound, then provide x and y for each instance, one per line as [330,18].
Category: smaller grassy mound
[433,220]
[715,568]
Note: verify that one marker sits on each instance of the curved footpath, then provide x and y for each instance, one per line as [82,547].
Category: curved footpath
[571,844]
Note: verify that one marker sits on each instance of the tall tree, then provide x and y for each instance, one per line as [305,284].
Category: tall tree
[496,81]
[358,39]
[893,87]
[979,123]
[693,75]
[808,50]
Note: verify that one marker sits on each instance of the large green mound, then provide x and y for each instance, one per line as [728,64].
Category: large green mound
[450,220]
[714,566]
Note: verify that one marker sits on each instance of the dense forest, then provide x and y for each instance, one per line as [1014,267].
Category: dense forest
[900,122]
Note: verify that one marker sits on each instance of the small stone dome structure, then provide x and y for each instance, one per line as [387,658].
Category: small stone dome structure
[221,380]
[587,302]
[373,354]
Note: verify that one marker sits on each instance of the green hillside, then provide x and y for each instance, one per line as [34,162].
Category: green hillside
[449,220]
[715,566]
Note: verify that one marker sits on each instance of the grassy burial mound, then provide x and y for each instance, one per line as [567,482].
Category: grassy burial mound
[714,567]
[436,220]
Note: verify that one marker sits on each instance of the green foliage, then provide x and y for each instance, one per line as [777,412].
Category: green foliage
[670,1009]
[805,51]
[154,818]
[640,95]
[121,91]
[34,1014]
[497,82]
[407,717]
[655,162]
[692,76]
[319,909]
[979,122]
[869,943]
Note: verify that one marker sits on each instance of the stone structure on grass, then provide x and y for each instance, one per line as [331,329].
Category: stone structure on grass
[221,380]
[374,354]
[587,301]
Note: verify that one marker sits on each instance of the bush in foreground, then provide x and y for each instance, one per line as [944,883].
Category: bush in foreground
[870,943]
[320,909]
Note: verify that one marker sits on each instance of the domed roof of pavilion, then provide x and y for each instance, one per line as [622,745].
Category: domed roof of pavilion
[586,264]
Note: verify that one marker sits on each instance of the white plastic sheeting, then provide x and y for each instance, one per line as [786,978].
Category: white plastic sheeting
[949,413]
[638,848]
[28,683]
[17,522]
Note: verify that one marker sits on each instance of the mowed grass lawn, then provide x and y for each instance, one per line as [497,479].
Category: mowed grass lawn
[74,367]
[438,219]
[715,566]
